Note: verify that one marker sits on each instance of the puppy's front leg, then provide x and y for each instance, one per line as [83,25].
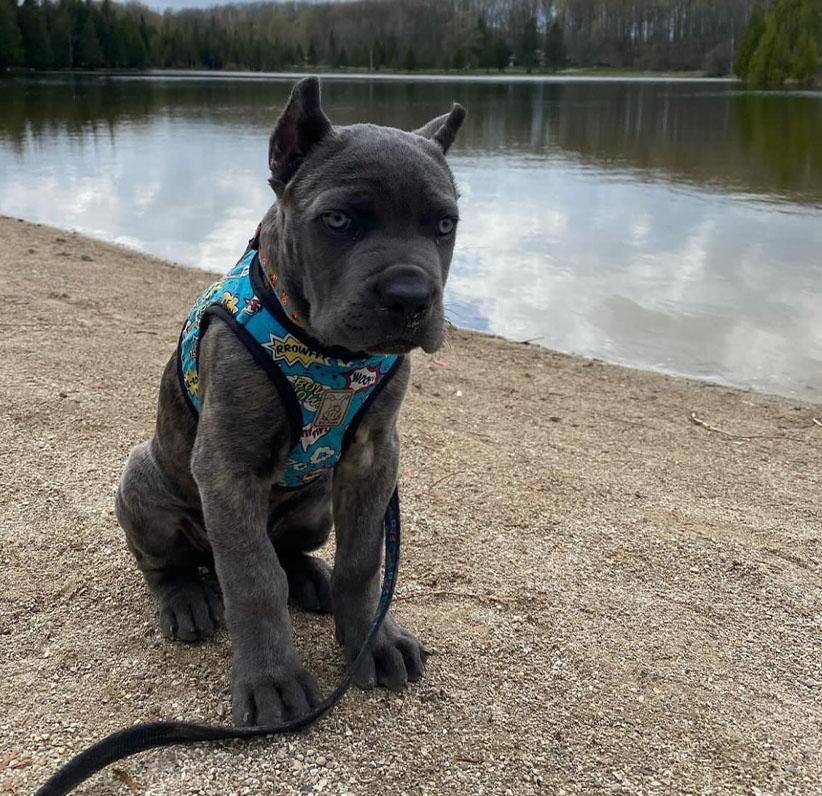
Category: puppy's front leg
[364,480]
[241,445]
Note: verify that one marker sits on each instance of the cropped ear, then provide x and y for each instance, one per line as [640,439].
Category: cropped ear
[301,125]
[443,130]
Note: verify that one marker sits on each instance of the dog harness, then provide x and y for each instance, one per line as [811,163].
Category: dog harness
[325,390]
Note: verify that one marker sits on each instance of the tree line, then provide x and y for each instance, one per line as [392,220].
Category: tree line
[377,34]
[782,46]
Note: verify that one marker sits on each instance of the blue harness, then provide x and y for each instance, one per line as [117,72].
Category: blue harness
[326,391]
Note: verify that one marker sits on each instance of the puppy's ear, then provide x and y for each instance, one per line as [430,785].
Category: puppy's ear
[301,125]
[443,130]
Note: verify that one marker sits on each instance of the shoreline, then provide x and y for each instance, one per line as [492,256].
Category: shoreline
[568,75]
[716,382]
[619,571]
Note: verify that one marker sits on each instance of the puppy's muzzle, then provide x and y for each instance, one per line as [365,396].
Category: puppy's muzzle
[407,295]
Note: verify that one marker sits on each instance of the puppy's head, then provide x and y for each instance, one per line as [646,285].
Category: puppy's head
[366,223]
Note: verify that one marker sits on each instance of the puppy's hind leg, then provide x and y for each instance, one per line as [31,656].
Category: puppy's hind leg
[166,535]
[309,581]
[296,528]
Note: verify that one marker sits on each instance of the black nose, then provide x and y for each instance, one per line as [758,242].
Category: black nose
[407,296]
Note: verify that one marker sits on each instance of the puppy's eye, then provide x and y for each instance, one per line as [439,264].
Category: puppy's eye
[446,226]
[337,221]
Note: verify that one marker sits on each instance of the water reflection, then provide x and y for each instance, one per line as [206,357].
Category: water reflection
[645,274]
[612,219]
[782,142]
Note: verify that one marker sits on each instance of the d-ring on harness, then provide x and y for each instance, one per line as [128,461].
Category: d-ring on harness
[141,737]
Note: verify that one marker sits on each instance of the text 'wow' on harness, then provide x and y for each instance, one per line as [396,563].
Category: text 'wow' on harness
[325,390]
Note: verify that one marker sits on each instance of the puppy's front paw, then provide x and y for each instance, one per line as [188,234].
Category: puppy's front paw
[396,658]
[260,698]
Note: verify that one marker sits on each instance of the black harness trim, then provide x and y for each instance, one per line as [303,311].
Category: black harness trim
[284,388]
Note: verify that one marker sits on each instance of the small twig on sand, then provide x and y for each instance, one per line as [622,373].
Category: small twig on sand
[446,477]
[126,779]
[530,340]
[817,421]
[483,598]
[616,419]
[6,761]
[700,422]
[694,418]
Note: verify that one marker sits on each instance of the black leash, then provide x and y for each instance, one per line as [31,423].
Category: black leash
[141,737]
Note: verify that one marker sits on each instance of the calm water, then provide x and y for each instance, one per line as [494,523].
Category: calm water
[667,225]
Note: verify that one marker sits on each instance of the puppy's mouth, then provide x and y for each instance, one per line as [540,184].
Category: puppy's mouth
[400,344]
[400,341]
[396,345]
[374,331]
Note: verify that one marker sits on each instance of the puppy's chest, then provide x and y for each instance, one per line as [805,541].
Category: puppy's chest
[325,391]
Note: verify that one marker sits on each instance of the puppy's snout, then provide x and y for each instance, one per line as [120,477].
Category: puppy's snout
[407,295]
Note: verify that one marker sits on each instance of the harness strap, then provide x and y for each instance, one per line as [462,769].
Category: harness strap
[141,737]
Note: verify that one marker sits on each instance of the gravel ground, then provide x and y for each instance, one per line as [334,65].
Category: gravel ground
[620,599]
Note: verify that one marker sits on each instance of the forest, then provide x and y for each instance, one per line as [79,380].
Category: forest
[783,46]
[492,35]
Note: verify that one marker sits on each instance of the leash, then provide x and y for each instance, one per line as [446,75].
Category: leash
[141,737]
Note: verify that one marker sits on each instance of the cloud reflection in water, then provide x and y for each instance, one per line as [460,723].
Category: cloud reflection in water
[643,273]
[581,250]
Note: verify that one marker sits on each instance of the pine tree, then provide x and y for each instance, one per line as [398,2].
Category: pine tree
[780,65]
[485,46]
[391,51]
[425,59]
[89,52]
[789,45]
[36,44]
[109,33]
[135,53]
[409,63]
[528,45]
[289,56]
[805,58]
[361,57]
[555,47]
[502,54]
[11,41]
[145,35]
[379,54]
[750,41]
[61,37]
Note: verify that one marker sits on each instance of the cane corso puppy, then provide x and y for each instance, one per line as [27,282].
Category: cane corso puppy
[277,417]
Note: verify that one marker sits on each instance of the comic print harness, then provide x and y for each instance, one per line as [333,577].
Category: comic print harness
[325,390]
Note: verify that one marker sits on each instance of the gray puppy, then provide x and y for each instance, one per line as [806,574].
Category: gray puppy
[355,253]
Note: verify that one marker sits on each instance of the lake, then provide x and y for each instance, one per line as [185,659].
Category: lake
[664,224]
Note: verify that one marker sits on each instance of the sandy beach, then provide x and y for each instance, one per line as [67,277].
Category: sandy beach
[619,572]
